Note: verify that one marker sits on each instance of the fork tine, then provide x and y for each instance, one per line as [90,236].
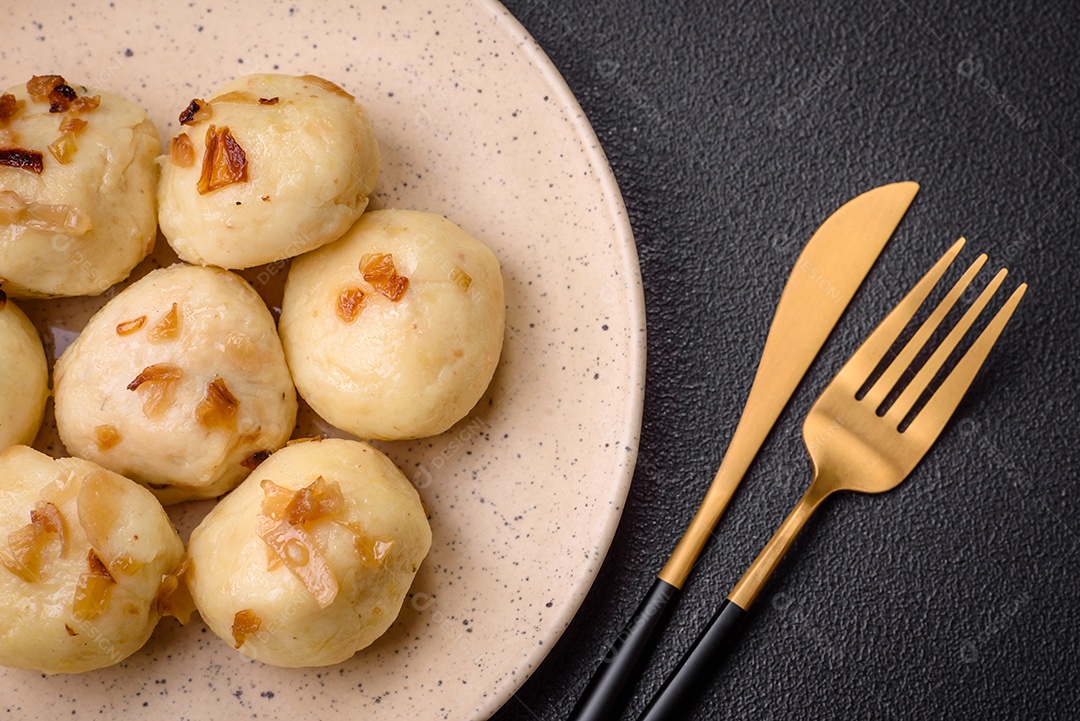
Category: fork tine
[935,414]
[874,348]
[915,388]
[896,368]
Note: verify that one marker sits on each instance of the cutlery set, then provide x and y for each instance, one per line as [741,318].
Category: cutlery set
[866,432]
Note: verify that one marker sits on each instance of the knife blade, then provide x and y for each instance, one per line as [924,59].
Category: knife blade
[828,271]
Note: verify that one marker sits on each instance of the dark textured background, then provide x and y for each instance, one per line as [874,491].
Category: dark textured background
[734,129]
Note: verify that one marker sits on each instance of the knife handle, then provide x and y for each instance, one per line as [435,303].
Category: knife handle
[604,696]
[677,696]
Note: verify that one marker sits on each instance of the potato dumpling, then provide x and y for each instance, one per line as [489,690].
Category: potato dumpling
[179,383]
[310,559]
[395,330]
[24,381]
[270,167]
[77,188]
[89,563]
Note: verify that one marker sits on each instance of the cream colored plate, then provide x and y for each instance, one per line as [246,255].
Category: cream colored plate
[525,493]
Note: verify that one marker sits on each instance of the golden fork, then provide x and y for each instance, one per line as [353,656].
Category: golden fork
[858,443]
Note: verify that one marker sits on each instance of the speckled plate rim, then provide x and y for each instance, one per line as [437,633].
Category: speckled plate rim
[624,240]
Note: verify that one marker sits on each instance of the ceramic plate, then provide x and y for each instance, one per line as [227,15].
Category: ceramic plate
[475,123]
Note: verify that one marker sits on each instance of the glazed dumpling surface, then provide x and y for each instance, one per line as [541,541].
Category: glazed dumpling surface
[77,189]
[269,167]
[176,383]
[310,558]
[395,330]
[24,381]
[88,563]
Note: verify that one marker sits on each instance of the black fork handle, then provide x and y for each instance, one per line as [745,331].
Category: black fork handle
[682,688]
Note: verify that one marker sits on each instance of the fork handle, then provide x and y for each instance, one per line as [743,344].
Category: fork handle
[681,689]
[604,696]
[677,696]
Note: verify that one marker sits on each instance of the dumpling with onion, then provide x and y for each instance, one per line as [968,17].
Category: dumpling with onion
[24,382]
[395,330]
[178,383]
[310,558]
[78,180]
[89,563]
[269,167]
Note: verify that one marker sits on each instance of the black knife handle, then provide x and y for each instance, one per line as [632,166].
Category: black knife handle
[678,694]
[605,695]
